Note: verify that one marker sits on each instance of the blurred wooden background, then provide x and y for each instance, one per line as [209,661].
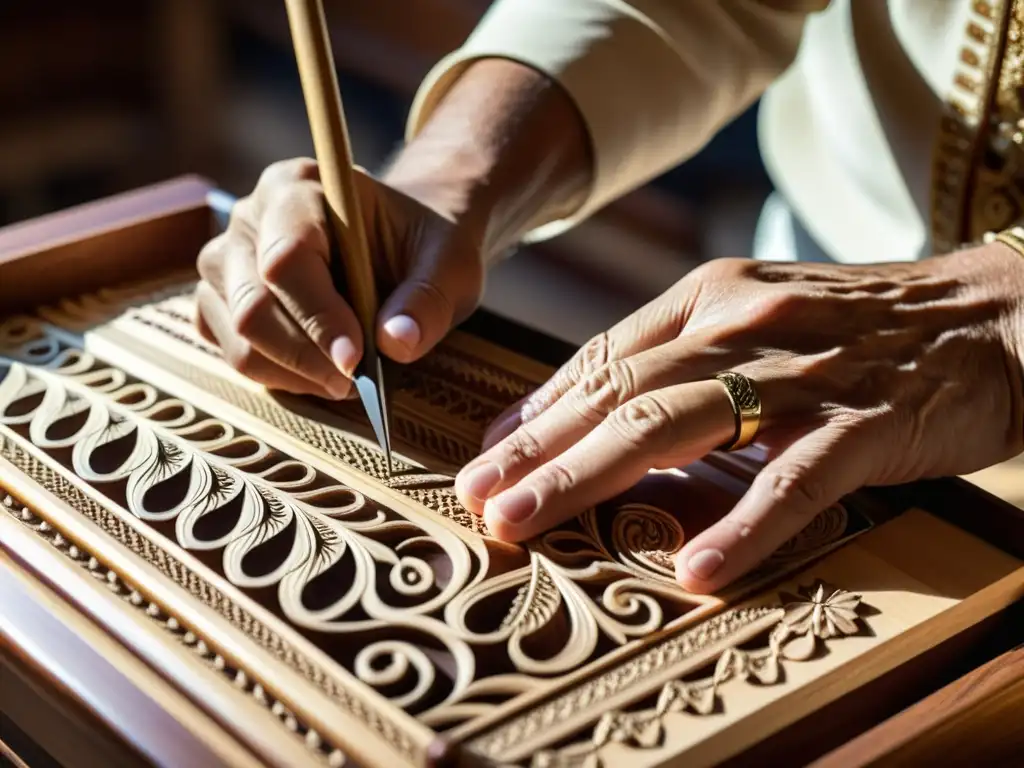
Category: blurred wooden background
[108,95]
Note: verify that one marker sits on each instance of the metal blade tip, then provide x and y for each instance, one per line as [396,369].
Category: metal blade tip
[374,406]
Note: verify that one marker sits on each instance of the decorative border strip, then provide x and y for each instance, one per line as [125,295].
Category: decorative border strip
[209,595]
[434,491]
[322,750]
[817,614]
[796,626]
[494,744]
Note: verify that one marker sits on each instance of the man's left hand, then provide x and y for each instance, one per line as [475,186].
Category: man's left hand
[866,376]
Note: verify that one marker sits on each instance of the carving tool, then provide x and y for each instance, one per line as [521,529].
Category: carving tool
[311,42]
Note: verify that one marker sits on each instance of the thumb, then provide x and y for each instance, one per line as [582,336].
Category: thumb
[442,288]
[439,263]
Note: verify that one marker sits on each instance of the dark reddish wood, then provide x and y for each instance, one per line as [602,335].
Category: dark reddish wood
[127,237]
[56,675]
[37,706]
[978,720]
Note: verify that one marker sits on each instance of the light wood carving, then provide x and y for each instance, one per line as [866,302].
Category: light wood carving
[381,593]
[818,613]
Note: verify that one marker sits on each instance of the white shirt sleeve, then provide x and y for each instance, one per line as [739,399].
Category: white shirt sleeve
[653,79]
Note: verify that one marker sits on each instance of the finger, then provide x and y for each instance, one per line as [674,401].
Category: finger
[439,289]
[667,427]
[293,258]
[259,318]
[582,409]
[656,323]
[418,314]
[813,473]
[241,354]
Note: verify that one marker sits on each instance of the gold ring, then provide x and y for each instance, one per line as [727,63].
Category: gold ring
[746,408]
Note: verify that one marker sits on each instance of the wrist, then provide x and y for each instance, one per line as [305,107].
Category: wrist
[504,151]
[1002,261]
[1007,250]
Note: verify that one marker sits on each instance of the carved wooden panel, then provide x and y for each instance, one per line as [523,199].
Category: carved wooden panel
[371,614]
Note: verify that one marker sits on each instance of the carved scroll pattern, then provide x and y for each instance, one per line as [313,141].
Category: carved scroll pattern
[432,620]
[323,750]
[404,592]
[818,613]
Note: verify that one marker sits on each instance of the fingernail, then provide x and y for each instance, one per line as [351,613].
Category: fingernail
[404,330]
[482,479]
[517,505]
[704,564]
[344,354]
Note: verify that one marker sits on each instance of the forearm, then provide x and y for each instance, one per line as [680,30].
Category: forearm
[506,147]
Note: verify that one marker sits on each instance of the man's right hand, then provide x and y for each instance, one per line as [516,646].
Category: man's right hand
[503,149]
[268,300]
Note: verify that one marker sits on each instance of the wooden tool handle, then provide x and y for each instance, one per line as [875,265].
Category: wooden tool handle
[334,154]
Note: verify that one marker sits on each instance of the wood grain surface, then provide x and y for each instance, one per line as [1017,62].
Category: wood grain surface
[975,721]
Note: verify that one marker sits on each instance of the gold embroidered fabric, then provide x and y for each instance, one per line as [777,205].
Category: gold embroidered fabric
[979,164]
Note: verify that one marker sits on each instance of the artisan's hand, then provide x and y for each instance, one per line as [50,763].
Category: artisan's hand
[267,297]
[866,375]
[504,150]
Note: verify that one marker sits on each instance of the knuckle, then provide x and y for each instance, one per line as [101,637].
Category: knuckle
[588,359]
[317,326]
[604,390]
[288,171]
[434,295]
[718,270]
[795,486]
[243,357]
[523,448]
[297,357]
[249,305]
[642,421]
[241,217]
[779,306]
[594,354]
[284,253]
[212,256]
[557,477]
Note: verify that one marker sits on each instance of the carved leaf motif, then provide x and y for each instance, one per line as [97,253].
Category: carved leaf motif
[535,603]
[628,729]
[678,696]
[799,648]
[824,612]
